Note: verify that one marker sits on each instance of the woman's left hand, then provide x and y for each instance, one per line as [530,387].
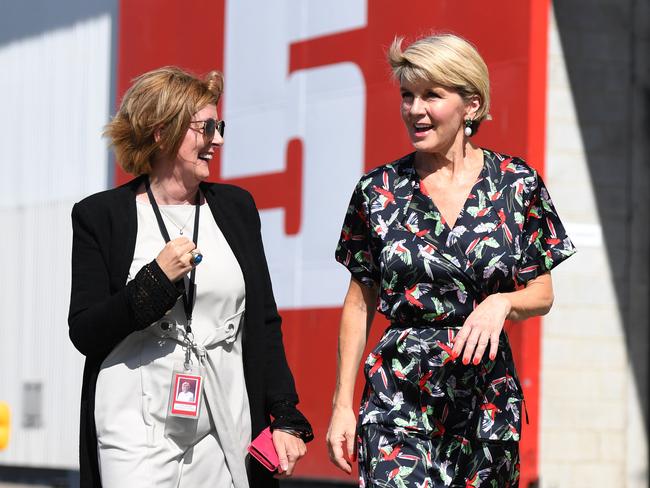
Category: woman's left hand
[483,325]
[290,449]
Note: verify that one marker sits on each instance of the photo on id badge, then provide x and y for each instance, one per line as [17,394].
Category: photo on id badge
[186,395]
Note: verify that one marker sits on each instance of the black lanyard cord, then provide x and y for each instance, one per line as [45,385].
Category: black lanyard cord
[188,295]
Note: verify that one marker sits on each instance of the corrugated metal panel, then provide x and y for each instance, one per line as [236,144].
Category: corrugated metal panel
[55,92]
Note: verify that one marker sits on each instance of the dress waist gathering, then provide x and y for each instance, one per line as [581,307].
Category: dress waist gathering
[455,323]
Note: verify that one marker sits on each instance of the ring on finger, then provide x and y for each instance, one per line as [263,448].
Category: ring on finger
[196,257]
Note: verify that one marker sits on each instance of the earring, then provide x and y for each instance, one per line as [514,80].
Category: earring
[468,127]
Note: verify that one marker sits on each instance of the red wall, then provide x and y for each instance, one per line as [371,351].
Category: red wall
[511,36]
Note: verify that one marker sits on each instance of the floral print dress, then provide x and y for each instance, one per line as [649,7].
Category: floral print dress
[427,420]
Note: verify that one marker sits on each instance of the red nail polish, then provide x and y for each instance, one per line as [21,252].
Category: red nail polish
[465,361]
[476,361]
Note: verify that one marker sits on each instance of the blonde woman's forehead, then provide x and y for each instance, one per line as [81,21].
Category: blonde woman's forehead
[421,84]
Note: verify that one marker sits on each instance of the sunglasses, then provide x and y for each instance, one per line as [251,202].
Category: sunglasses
[209,127]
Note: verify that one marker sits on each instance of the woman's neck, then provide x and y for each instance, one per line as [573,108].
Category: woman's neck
[450,162]
[170,189]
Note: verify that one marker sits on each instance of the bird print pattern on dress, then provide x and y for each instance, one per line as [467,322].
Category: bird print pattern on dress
[425,419]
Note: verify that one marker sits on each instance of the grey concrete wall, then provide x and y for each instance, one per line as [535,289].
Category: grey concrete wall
[605,44]
[595,375]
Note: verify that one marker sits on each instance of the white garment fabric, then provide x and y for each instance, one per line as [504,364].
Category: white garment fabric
[138,443]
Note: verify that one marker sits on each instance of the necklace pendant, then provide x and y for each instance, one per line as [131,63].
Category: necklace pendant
[181,231]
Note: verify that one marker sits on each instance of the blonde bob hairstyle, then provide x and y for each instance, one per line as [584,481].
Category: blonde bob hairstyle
[155,114]
[447,60]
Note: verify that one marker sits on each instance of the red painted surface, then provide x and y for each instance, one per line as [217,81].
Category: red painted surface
[511,36]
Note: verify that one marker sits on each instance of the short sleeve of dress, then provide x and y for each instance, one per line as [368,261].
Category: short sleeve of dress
[354,249]
[544,242]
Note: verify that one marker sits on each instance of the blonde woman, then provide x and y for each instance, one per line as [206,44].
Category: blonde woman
[152,311]
[447,242]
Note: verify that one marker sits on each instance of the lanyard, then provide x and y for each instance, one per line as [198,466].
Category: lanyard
[188,295]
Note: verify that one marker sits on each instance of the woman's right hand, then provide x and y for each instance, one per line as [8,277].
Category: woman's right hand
[341,438]
[174,259]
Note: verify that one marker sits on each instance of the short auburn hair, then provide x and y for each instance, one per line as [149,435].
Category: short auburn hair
[163,100]
[447,60]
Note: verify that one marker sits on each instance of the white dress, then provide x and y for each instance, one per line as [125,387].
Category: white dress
[138,444]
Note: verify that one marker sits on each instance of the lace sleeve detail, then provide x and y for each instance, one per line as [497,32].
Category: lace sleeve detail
[288,418]
[150,295]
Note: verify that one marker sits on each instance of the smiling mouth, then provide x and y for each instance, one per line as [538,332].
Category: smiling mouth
[207,157]
[422,128]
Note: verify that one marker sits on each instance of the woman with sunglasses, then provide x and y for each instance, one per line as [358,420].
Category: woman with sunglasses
[170,284]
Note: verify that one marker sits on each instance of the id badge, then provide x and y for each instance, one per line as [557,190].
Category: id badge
[185,392]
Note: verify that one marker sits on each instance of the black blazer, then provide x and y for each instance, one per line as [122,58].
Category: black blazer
[104,235]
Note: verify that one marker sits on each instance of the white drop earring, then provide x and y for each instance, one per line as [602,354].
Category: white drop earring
[468,127]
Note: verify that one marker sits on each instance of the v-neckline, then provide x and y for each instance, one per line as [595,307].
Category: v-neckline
[449,228]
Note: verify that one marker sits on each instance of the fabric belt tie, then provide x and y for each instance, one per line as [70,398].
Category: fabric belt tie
[216,397]
[223,421]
